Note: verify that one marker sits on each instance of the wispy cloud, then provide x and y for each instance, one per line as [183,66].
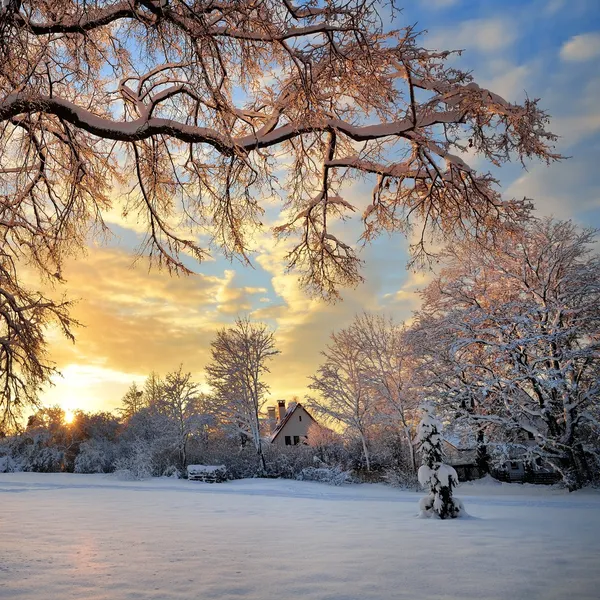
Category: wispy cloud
[485,35]
[439,4]
[582,47]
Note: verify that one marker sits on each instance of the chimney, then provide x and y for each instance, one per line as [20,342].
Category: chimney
[281,409]
[272,419]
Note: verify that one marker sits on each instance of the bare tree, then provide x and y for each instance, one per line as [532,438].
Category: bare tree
[345,396]
[24,367]
[153,389]
[386,367]
[132,402]
[510,339]
[239,361]
[188,104]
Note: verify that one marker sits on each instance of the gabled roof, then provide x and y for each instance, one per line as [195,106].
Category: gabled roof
[288,415]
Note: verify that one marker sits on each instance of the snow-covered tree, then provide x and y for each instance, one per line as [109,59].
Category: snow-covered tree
[149,444]
[189,104]
[433,473]
[344,394]
[510,340]
[386,367]
[181,401]
[239,361]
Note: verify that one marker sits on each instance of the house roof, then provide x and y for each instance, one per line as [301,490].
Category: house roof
[288,415]
[460,456]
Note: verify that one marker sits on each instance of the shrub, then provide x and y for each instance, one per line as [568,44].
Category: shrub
[329,475]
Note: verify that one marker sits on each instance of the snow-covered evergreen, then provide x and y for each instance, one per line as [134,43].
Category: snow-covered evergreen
[433,473]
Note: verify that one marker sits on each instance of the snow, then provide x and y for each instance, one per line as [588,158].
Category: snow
[205,468]
[445,474]
[97,537]
[424,475]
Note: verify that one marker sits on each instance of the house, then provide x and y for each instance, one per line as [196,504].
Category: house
[464,461]
[289,427]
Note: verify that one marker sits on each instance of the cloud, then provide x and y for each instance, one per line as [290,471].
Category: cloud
[581,47]
[439,4]
[574,105]
[563,190]
[89,387]
[135,322]
[485,35]
[303,325]
[506,79]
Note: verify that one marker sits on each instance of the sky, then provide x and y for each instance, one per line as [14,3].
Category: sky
[135,321]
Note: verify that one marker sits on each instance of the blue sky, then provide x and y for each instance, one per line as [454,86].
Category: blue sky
[137,321]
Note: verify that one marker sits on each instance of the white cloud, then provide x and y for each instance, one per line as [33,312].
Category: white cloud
[439,4]
[506,79]
[581,47]
[89,387]
[563,190]
[485,35]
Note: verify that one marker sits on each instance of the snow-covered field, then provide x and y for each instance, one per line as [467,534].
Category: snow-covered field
[92,536]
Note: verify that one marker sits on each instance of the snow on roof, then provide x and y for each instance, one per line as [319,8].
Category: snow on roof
[204,468]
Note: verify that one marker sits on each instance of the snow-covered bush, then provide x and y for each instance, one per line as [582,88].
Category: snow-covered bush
[10,457]
[9,465]
[400,478]
[173,472]
[95,456]
[43,459]
[136,462]
[287,462]
[225,449]
[327,445]
[433,473]
[330,475]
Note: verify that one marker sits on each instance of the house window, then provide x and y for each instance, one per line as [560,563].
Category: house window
[514,466]
[300,417]
[288,440]
[296,440]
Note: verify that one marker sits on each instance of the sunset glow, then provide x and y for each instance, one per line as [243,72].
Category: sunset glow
[136,321]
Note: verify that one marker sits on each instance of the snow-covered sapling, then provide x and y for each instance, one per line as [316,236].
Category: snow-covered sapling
[433,473]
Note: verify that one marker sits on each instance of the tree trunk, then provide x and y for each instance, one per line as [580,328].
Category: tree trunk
[569,469]
[483,458]
[183,455]
[263,462]
[365,451]
[411,450]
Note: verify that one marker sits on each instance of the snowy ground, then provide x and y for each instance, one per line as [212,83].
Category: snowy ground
[96,537]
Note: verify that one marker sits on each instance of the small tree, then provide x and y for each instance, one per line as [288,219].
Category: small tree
[181,403]
[433,473]
[132,402]
[239,362]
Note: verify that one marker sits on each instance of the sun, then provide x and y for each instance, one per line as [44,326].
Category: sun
[69,416]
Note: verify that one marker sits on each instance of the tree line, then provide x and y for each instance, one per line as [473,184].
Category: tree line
[505,348]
